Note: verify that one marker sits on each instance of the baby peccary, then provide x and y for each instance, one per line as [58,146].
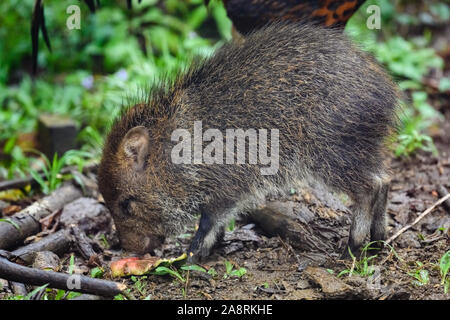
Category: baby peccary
[301,102]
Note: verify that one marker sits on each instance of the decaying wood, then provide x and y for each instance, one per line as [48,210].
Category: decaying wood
[87,214]
[15,272]
[26,222]
[78,217]
[303,228]
[420,217]
[58,242]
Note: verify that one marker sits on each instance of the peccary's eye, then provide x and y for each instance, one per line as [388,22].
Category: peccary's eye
[125,206]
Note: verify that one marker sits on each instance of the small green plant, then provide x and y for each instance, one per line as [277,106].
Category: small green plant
[51,176]
[161,271]
[97,272]
[359,267]
[139,284]
[409,143]
[420,274]
[231,272]
[29,295]
[193,267]
[212,272]
[362,267]
[444,266]
[415,122]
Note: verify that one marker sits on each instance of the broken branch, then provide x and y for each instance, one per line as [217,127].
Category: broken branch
[58,243]
[15,272]
[26,222]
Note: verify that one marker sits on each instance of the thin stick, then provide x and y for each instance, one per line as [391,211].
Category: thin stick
[420,217]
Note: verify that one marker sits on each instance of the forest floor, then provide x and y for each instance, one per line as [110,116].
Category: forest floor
[275,270]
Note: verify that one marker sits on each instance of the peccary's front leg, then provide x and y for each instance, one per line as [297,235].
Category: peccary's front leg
[378,229]
[209,230]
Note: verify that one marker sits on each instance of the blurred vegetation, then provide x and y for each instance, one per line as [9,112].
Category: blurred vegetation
[90,72]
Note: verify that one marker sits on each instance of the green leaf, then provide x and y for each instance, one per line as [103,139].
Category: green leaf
[164,270]
[193,267]
[97,272]
[238,273]
[228,266]
[32,293]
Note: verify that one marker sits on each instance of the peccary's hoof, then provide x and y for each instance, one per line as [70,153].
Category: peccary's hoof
[198,255]
[192,258]
[355,252]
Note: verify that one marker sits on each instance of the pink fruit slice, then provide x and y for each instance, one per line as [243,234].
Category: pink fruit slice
[139,266]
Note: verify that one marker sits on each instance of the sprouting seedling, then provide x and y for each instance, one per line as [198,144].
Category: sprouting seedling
[139,284]
[231,272]
[362,266]
[71,264]
[421,275]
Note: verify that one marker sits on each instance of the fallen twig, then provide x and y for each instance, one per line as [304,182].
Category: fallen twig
[58,243]
[83,244]
[79,283]
[420,217]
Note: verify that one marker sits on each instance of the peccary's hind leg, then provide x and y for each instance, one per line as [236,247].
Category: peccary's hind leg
[209,230]
[378,229]
[361,222]
[369,214]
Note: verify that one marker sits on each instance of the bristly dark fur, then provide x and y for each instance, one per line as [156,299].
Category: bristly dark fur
[333,105]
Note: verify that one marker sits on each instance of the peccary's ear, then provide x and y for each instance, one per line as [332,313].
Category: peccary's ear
[136,146]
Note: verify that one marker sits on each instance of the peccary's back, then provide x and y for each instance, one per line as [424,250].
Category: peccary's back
[332,103]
